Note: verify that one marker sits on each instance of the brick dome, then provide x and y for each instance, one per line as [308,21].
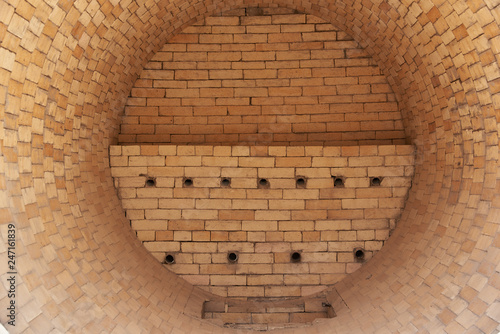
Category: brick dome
[66,70]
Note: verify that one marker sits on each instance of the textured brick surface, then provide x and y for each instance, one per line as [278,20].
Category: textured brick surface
[66,71]
[303,217]
[296,63]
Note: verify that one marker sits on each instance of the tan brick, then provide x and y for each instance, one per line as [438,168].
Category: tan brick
[225,74]
[375,192]
[223,225]
[238,236]
[220,162]
[255,258]
[265,225]
[264,193]
[296,225]
[236,214]
[256,236]
[391,203]
[265,280]
[256,55]
[297,204]
[249,204]
[301,194]
[118,161]
[215,38]
[219,236]
[183,161]
[319,36]
[285,37]
[242,291]
[359,203]
[240,128]
[200,214]
[162,246]
[222,21]
[291,268]
[178,225]
[198,247]
[293,162]
[336,193]
[329,235]
[332,268]
[164,235]
[272,215]
[274,236]
[264,29]
[365,161]
[354,171]
[257,162]
[213,204]
[399,160]
[245,247]
[346,214]
[227,193]
[235,318]
[146,235]
[260,74]
[153,193]
[192,193]
[182,236]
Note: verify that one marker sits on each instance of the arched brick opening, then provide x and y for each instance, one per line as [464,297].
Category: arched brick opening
[66,70]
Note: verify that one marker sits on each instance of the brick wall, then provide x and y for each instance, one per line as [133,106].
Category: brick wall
[201,223]
[289,79]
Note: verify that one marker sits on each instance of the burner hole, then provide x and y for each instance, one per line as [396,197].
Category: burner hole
[338,181]
[359,254]
[264,183]
[300,182]
[375,181]
[225,182]
[295,257]
[232,257]
[169,259]
[187,182]
[150,182]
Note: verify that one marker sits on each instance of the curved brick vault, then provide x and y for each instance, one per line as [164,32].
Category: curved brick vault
[66,70]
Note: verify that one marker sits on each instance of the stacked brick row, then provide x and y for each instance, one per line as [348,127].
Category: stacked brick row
[200,223]
[269,314]
[288,79]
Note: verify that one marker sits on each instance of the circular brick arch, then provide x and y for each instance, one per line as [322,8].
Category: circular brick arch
[65,72]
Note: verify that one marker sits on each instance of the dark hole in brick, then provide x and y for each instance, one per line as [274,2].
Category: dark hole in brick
[338,181]
[375,181]
[225,182]
[295,257]
[263,183]
[300,182]
[359,254]
[188,182]
[150,182]
[232,257]
[169,259]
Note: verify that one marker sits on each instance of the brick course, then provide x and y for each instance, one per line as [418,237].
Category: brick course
[210,220]
[294,61]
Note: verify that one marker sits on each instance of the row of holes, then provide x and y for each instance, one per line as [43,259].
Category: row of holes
[300,182]
[359,255]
